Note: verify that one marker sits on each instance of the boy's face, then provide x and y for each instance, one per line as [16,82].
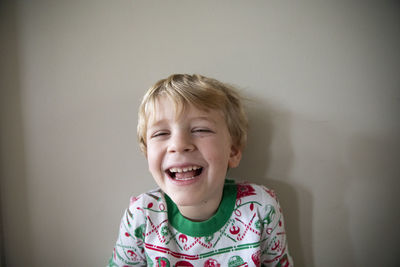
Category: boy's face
[189,155]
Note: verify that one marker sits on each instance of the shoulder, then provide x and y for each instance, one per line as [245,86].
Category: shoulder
[258,196]
[250,190]
[146,199]
[146,204]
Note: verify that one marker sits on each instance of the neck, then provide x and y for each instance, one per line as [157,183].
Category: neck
[201,212]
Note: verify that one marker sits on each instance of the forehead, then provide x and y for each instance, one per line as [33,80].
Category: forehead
[163,108]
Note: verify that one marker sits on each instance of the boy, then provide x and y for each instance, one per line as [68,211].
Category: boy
[192,129]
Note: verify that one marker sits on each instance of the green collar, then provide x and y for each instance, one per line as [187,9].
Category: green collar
[210,226]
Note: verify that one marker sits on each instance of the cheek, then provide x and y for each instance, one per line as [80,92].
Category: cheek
[152,158]
[218,155]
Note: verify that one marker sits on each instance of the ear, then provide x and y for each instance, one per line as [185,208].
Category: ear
[234,157]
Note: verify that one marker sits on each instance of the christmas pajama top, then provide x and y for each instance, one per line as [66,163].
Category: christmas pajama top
[247,230]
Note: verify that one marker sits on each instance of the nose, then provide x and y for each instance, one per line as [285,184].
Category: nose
[180,142]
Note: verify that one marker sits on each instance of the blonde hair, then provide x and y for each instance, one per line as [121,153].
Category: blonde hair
[202,92]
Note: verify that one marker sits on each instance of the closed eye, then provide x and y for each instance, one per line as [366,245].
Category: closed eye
[159,134]
[202,130]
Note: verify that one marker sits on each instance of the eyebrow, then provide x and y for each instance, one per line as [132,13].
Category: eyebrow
[204,118]
[157,123]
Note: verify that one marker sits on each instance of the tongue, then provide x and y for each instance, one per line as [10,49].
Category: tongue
[183,175]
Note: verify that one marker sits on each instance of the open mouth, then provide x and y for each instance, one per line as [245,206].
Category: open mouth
[184,174]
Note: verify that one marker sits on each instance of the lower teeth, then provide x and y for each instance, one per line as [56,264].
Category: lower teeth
[184,179]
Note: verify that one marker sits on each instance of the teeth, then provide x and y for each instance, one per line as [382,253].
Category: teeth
[184,179]
[186,169]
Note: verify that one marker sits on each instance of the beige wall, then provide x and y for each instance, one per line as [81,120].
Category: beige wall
[323,82]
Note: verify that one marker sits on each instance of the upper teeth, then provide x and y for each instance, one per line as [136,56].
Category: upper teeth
[186,169]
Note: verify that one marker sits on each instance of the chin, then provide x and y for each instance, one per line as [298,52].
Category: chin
[183,201]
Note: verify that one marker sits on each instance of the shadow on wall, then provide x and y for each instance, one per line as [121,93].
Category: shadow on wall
[265,136]
[15,223]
